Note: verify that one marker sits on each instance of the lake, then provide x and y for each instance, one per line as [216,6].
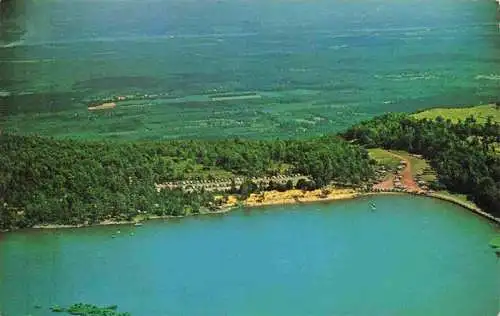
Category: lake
[255,69]
[412,256]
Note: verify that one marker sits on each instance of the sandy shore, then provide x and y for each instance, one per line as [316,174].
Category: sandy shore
[299,196]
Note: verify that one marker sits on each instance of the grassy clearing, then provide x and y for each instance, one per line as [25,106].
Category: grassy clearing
[457,196]
[480,112]
[419,166]
[384,157]
[391,159]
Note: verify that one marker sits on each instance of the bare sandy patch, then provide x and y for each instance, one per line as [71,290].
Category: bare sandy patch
[109,105]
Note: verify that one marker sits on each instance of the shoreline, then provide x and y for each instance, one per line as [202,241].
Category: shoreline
[283,199]
[132,222]
[465,205]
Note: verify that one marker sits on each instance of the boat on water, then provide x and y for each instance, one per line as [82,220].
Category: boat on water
[138,224]
[372,206]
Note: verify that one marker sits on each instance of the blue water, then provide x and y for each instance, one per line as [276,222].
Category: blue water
[315,66]
[412,256]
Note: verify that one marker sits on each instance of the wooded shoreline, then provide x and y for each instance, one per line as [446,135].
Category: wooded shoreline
[229,208]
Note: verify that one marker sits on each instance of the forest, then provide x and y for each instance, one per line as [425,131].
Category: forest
[71,182]
[464,154]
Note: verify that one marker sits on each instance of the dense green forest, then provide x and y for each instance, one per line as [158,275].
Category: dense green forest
[64,181]
[464,154]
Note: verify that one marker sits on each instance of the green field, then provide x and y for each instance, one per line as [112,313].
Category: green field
[481,113]
[391,159]
[419,166]
[384,157]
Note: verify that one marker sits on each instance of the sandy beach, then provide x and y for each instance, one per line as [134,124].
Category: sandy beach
[299,196]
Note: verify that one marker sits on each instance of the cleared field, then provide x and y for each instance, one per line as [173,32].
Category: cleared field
[480,112]
[419,166]
[384,157]
[391,158]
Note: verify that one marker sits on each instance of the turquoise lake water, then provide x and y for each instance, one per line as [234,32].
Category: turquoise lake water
[292,68]
[412,256]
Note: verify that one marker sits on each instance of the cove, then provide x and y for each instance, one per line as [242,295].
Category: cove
[412,256]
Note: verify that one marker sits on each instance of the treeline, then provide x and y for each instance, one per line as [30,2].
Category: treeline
[324,158]
[63,181]
[464,154]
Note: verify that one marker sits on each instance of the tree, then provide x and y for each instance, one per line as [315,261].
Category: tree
[247,188]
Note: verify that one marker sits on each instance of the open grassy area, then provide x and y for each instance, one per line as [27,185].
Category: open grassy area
[419,166]
[384,157]
[480,112]
[457,198]
[460,197]
[391,159]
